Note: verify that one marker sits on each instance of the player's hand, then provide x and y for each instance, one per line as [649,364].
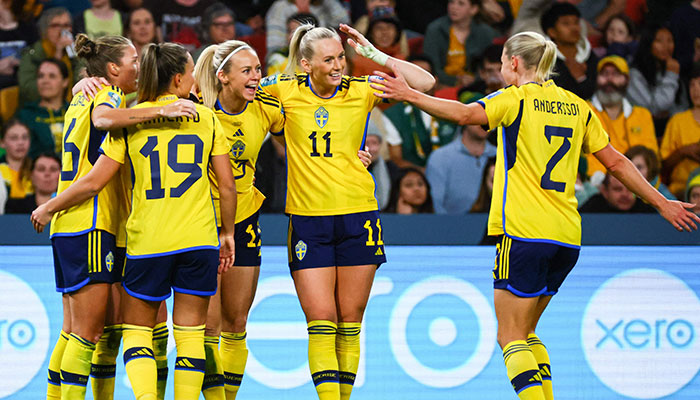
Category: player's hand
[180,108]
[395,88]
[41,217]
[90,86]
[365,156]
[362,46]
[677,214]
[226,252]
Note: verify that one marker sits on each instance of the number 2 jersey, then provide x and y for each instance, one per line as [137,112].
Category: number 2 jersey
[172,208]
[542,131]
[81,144]
[245,132]
[323,135]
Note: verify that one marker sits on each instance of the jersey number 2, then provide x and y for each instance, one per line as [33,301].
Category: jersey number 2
[148,150]
[566,133]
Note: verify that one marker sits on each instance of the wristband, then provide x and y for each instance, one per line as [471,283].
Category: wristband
[371,52]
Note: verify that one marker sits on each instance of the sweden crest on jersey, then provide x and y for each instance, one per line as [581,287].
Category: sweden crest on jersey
[237,149]
[109,261]
[300,250]
[321,117]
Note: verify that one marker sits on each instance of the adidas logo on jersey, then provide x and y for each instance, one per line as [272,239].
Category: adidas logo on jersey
[238,133]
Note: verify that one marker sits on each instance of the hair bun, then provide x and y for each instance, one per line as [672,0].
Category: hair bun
[85,47]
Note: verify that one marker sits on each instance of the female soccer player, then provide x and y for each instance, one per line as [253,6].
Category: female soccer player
[335,235]
[543,130]
[83,237]
[168,158]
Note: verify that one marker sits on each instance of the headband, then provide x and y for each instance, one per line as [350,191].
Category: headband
[245,46]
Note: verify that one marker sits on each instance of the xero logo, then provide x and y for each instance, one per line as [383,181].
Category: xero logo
[639,333]
[24,334]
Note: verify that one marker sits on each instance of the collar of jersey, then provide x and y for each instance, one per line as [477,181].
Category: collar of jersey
[166,97]
[308,83]
[217,106]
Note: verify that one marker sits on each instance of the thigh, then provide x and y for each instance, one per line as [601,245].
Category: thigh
[238,286]
[248,242]
[316,291]
[88,306]
[214,312]
[189,309]
[113,315]
[521,267]
[310,242]
[353,285]
[195,272]
[65,302]
[137,311]
[360,240]
[515,315]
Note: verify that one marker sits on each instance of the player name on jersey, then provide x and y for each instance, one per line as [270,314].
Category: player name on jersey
[556,107]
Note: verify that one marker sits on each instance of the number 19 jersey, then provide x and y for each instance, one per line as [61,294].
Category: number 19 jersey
[323,135]
[542,130]
[172,209]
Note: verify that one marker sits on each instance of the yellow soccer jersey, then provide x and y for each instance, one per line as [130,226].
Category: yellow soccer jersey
[245,132]
[172,208]
[542,131]
[81,145]
[323,135]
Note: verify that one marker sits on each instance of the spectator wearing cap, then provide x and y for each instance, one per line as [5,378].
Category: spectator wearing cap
[362,23]
[627,125]
[383,171]
[680,147]
[692,191]
[330,13]
[454,41]
[454,171]
[576,63]
[277,60]
[384,33]
[218,26]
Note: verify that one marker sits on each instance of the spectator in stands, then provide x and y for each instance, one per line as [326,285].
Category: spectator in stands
[482,203]
[489,78]
[654,77]
[99,20]
[411,133]
[16,33]
[384,33]
[614,197]
[218,25]
[180,20]
[330,13]
[626,125]
[584,187]
[454,171]
[383,171]
[16,170]
[692,191]
[362,23]
[141,29]
[576,63]
[618,38]
[277,61]
[46,169]
[647,162]
[454,41]
[45,117]
[680,147]
[56,42]
[685,24]
[410,194]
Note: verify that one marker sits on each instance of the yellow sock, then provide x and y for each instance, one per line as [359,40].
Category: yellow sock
[323,361]
[104,363]
[139,362]
[347,350]
[190,362]
[75,367]
[523,372]
[234,354]
[160,352]
[53,390]
[542,358]
[213,385]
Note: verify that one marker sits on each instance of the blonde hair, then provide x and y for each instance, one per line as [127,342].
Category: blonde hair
[159,64]
[536,51]
[301,45]
[209,61]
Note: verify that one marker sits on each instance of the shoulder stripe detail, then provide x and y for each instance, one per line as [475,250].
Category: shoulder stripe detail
[590,114]
[266,96]
[267,102]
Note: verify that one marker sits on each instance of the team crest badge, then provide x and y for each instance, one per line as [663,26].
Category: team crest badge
[321,117]
[300,250]
[237,149]
[109,261]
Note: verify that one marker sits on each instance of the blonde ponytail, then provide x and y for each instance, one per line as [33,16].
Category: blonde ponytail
[537,52]
[301,45]
[209,62]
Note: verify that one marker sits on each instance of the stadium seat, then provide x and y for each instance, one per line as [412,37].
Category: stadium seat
[9,100]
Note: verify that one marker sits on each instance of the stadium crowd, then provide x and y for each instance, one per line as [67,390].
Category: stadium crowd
[637,62]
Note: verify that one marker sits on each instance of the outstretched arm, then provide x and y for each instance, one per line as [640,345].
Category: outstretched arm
[416,76]
[396,88]
[622,168]
[107,118]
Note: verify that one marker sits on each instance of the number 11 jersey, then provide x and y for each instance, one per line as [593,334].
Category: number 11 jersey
[542,130]
[172,208]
